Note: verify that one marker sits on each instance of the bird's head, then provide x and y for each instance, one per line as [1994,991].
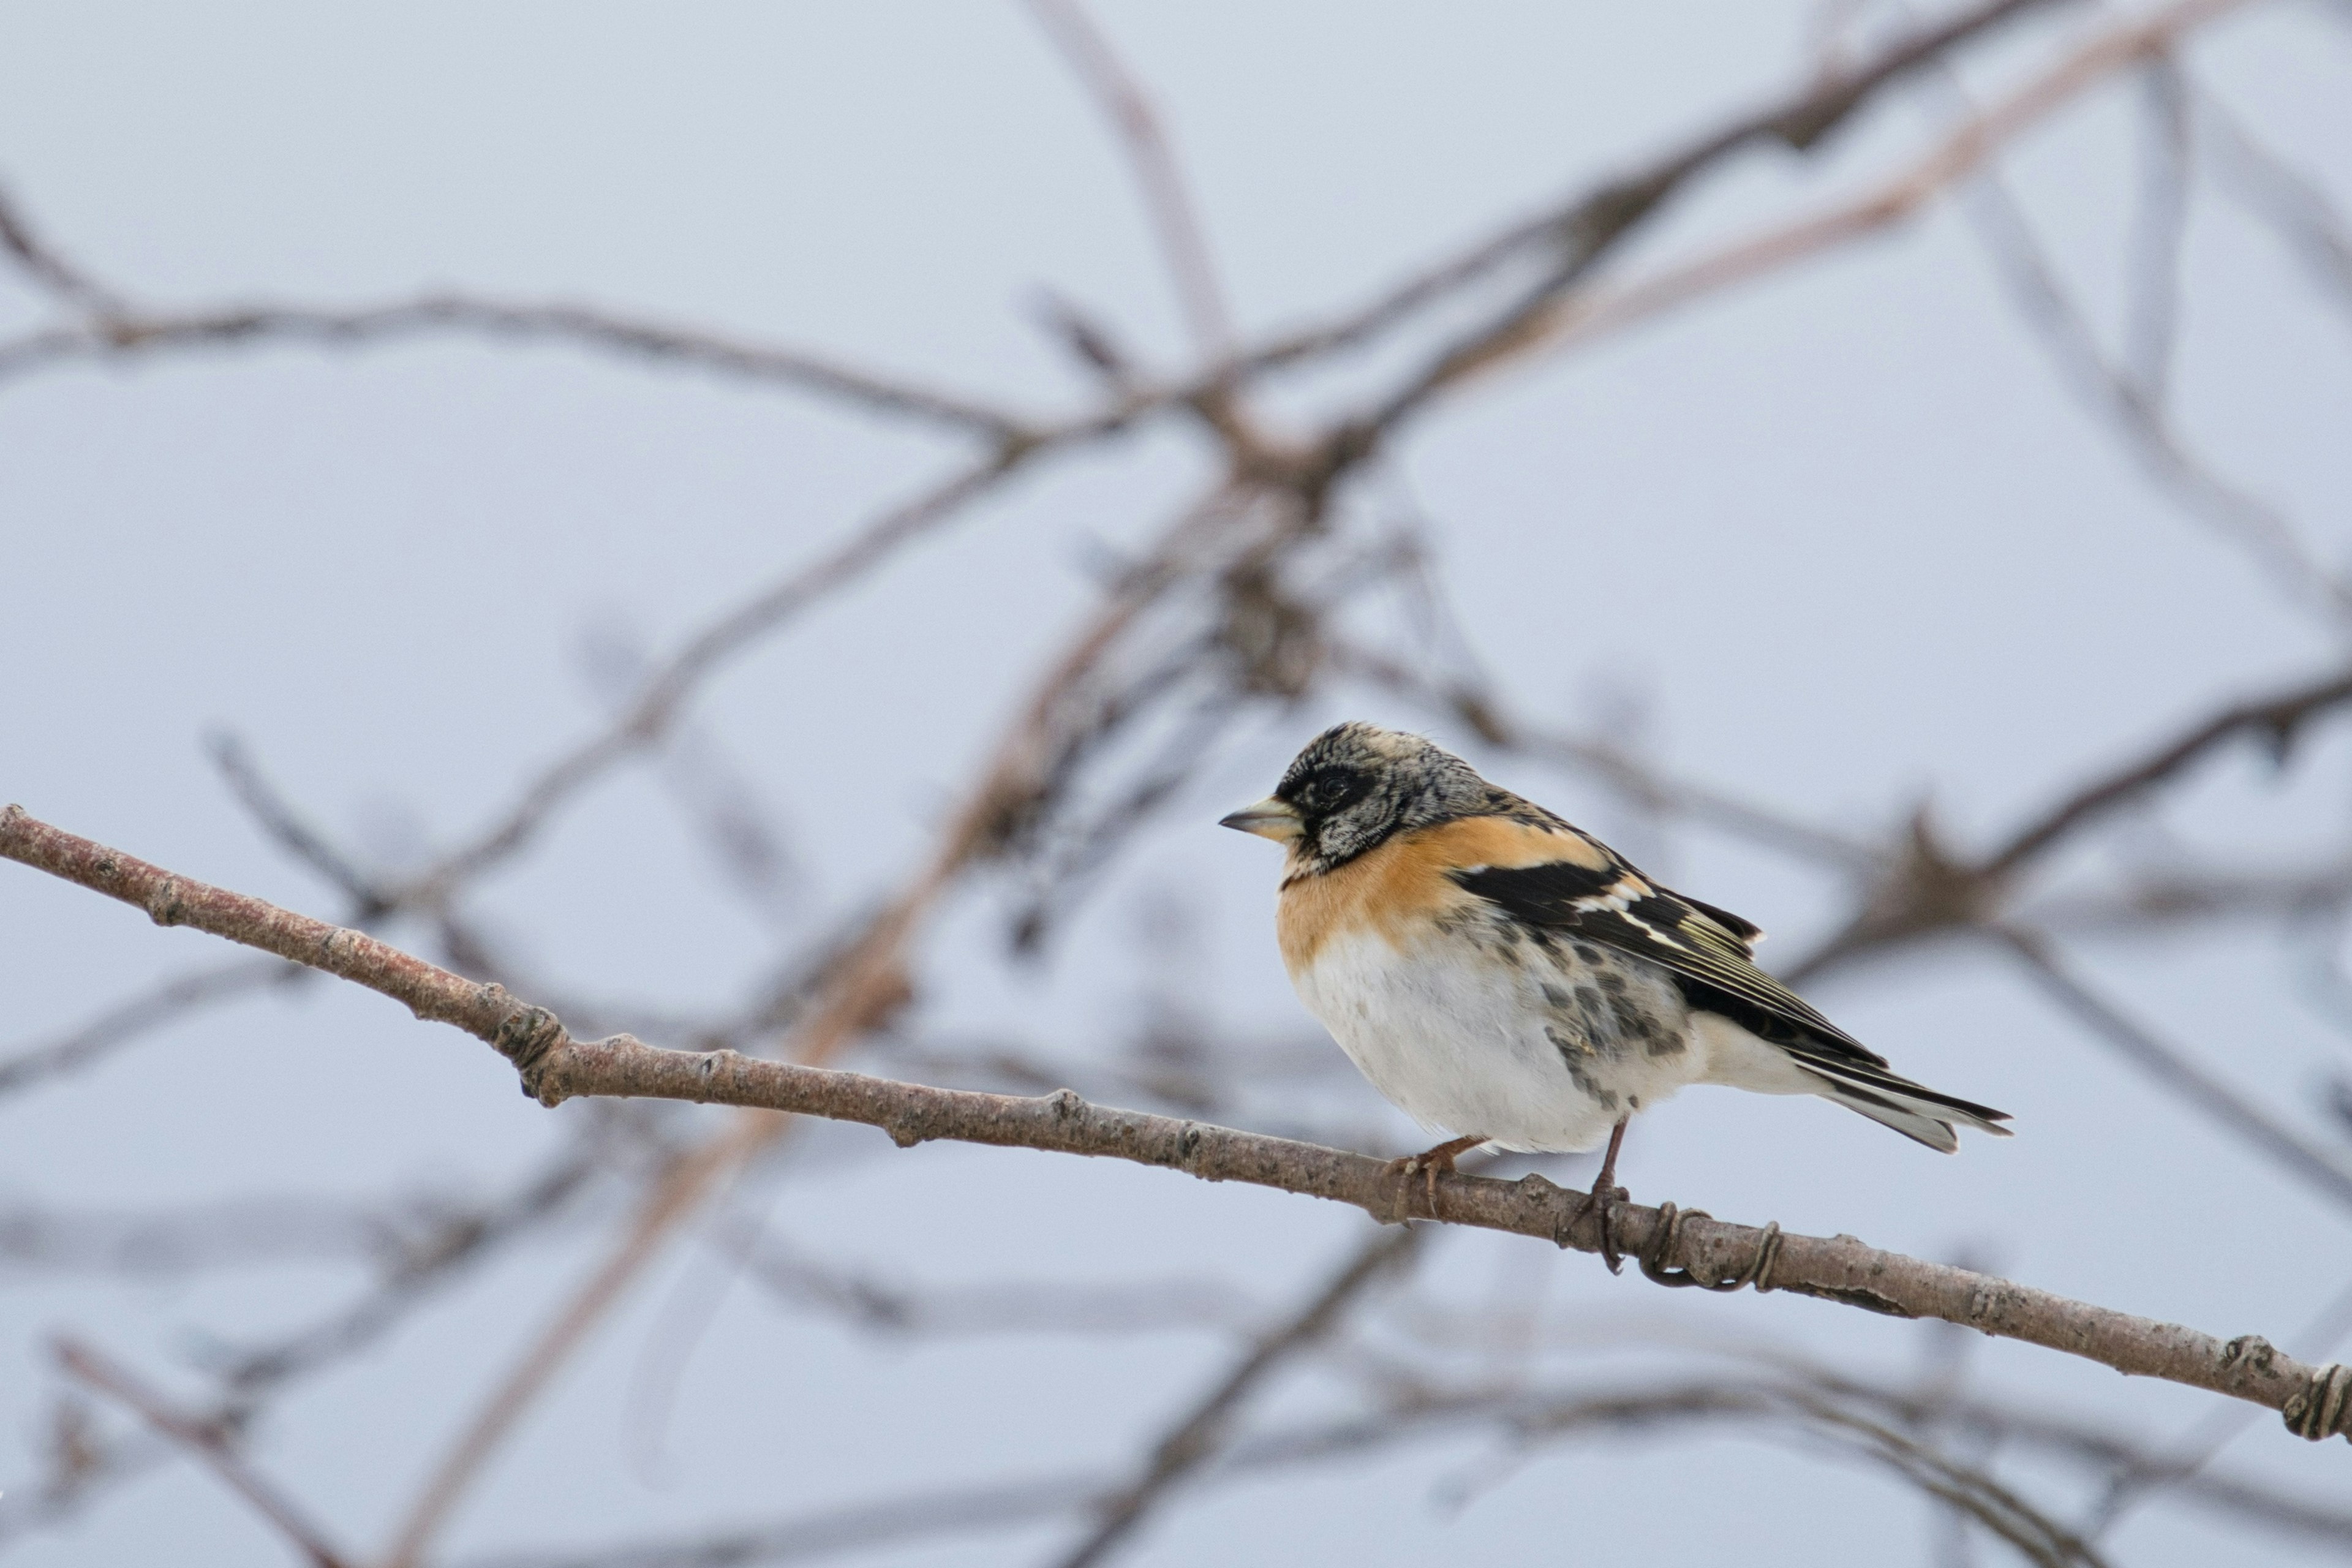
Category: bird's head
[1356,785]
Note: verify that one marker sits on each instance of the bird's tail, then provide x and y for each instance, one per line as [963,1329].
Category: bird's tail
[1912,1109]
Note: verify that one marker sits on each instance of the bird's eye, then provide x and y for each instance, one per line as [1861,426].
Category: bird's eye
[1330,790]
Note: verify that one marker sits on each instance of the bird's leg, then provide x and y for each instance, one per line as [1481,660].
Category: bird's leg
[1430,1161]
[1604,1196]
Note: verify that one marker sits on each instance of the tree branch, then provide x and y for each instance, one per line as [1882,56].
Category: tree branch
[2315,1401]
[208,1442]
[1193,1440]
[121,332]
[1182,242]
[1576,315]
[1584,232]
[127,1020]
[649,714]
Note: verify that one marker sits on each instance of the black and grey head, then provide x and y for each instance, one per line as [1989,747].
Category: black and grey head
[1356,785]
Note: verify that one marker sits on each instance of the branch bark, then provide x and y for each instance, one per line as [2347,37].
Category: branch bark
[2316,1401]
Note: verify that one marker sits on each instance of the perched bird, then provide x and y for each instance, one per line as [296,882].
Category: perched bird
[1501,976]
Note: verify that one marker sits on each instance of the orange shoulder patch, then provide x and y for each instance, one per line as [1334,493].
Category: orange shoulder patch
[1499,842]
[1393,890]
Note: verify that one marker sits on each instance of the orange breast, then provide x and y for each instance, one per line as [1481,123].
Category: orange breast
[1398,888]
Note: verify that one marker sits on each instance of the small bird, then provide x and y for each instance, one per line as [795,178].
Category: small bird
[1504,976]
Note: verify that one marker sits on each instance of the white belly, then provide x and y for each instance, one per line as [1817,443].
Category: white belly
[1528,1050]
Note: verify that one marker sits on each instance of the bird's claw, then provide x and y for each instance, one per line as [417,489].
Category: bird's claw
[1605,1199]
[1429,1164]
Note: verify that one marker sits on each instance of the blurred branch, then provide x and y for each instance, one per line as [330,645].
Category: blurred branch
[2161,898]
[1193,1439]
[1964,151]
[234,1234]
[419,1260]
[2159,229]
[1929,887]
[866,982]
[2224,506]
[2316,1166]
[2294,206]
[2276,721]
[658,700]
[1581,234]
[68,283]
[209,1443]
[285,826]
[555,1067]
[1064,1307]
[126,332]
[1524,1417]
[1182,242]
[125,1021]
[1567,239]
[1484,712]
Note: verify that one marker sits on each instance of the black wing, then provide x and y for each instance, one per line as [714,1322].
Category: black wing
[1706,949]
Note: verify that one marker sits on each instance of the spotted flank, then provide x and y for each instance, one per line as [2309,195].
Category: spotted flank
[1496,970]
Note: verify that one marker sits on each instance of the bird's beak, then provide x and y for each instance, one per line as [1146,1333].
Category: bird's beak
[1270,818]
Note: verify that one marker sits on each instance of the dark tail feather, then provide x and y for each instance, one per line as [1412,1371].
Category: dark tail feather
[1913,1109]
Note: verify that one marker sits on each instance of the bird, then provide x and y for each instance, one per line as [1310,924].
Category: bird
[1506,977]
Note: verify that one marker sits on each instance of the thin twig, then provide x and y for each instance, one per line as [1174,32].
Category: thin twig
[2315,1166]
[34,256]
[1586,313]
[1521,1415]
[208,1443]
[123,334]
[1183,243]
[649,714]
[124,1022]
[1192,1440]
[1589,229]
[2277,722]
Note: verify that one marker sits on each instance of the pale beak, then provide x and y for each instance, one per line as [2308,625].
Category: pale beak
[1270,818]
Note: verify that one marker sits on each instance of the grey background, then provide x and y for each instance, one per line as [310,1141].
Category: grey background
[1844,535]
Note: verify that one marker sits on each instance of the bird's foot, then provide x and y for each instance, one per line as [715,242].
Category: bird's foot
[1429,1164]
[1604,1197]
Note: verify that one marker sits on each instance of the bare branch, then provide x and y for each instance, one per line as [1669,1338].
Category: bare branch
[2160,230]
[2315,1401]
[222,1235]
[68,283]
[1183,243]
[1585,232]
[2276,721]
[1069,1307]
[1486,716]
[1595,219]
[208,1443]
[151,1009]
[649,715]
[285,825]
[2294,206]
[1524,1417]
[123,334]
[2237,513]
[1591,312]
[1193,1439]
[2315,1166]
[1929,887]
[866,982]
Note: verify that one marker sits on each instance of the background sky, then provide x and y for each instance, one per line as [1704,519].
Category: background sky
[1843,540]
